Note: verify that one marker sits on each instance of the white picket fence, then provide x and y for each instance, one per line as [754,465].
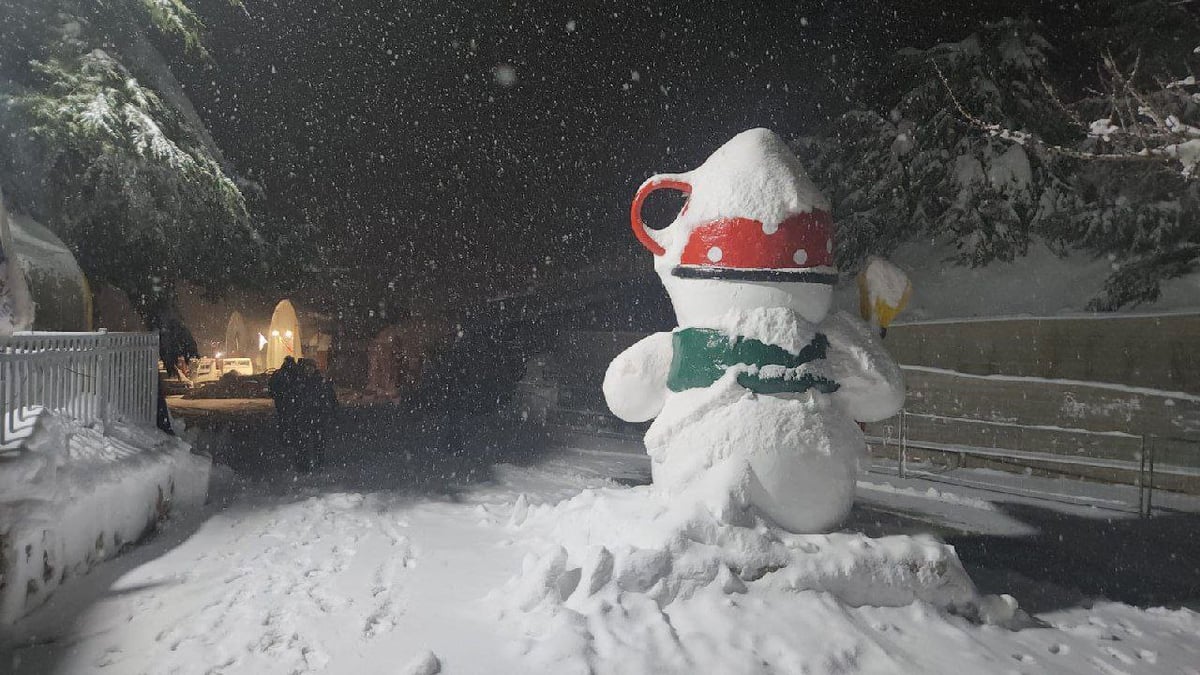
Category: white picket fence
[90,377]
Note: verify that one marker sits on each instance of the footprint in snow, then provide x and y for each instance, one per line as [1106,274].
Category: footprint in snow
[1131,629]
[315,658]
[382,620]
[1119,655]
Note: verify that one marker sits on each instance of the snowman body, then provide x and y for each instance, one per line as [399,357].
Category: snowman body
[758,369]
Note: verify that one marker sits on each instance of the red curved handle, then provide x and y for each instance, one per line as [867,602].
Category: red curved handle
[660,182]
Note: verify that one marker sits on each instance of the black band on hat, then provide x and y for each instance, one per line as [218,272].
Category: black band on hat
[734,274]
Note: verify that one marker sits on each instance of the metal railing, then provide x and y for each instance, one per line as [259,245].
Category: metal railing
[896,433]
[89,377]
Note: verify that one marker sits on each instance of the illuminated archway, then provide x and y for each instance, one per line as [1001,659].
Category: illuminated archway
[283,338]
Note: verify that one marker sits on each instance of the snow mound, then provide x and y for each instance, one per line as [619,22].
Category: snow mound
[633,580]
[426,663]
[72,496]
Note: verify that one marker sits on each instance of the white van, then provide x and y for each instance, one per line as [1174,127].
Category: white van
[241,366]
[205,370]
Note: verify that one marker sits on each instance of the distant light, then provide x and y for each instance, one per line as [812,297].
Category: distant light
[287,333]
[274,333]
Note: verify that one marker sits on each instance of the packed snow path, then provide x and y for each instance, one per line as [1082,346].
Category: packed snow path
[384,565]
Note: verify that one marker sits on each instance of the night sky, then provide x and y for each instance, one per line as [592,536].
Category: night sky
[469,146]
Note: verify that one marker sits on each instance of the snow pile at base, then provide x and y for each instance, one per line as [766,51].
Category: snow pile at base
[636,581]
[72,496]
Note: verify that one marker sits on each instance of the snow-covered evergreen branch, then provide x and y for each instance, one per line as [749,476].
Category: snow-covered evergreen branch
[123,173]
[1139,127]
[979,152]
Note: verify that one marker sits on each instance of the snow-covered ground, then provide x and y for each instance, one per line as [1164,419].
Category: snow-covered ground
[402,563]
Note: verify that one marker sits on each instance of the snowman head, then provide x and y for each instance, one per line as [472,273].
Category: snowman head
[755,232]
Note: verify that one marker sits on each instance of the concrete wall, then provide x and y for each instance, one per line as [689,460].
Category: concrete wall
[1160,351]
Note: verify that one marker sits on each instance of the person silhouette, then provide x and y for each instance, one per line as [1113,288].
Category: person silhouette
[317,406]
[284,386]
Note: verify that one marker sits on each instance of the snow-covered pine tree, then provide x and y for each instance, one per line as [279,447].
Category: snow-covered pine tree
[919,170]
[123,171]
[1145,216]
[981,150]
[1132,152]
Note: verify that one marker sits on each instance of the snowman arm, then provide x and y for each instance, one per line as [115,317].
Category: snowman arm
[871,385]
[635,385]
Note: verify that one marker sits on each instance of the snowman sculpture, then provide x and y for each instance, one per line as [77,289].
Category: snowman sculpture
[758,372]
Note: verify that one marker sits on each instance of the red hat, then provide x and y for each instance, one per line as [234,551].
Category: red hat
[799,248]
[782,230]
[747,249]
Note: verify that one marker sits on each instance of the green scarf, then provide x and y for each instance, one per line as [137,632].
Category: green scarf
[702,355]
